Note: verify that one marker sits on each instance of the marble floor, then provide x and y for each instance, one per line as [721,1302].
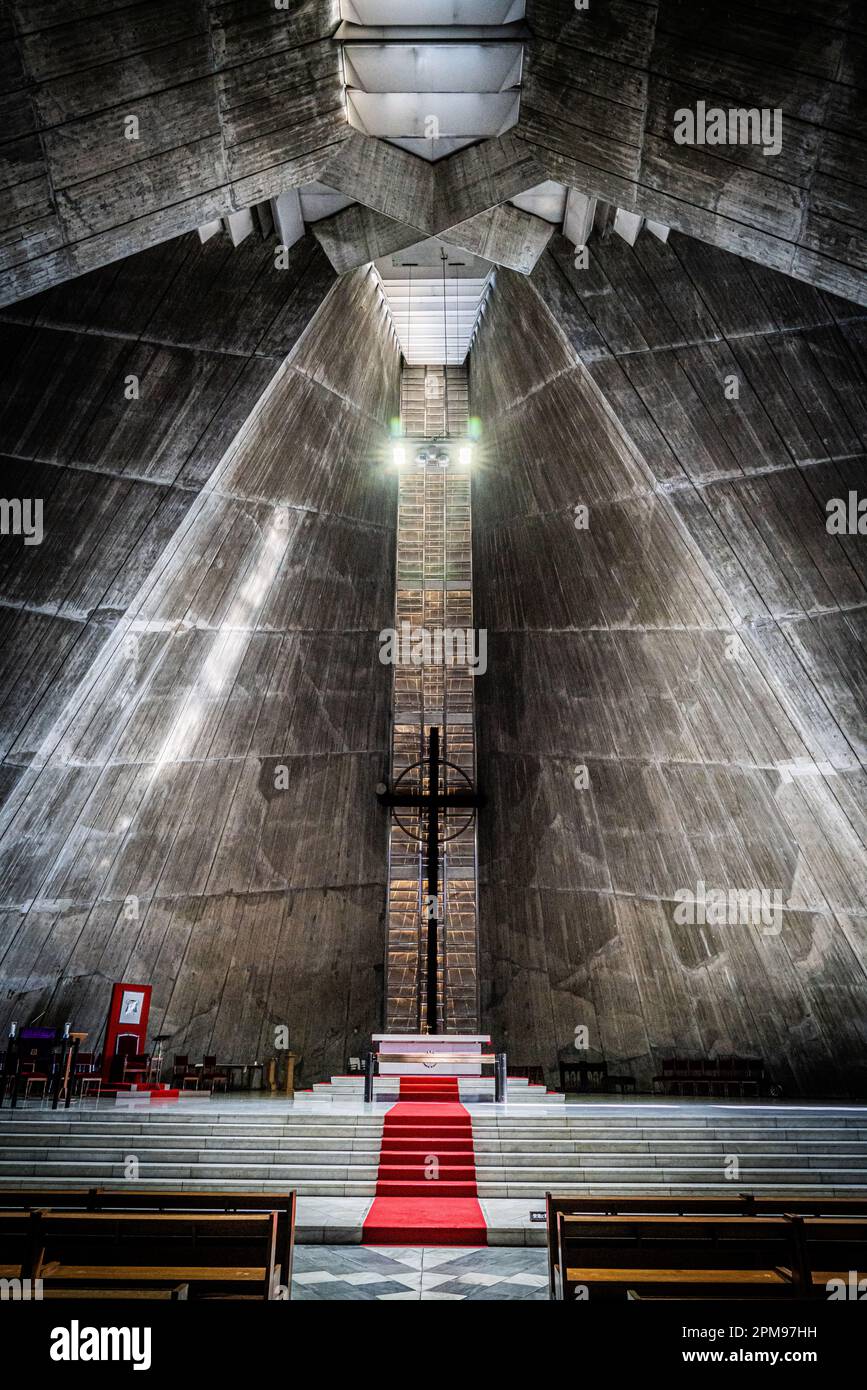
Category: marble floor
[416,1273]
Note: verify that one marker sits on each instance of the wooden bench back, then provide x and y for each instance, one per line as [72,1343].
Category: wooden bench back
[128,1241]
[145,1199]
[284,1203]
[735,1204]
[720,1243]
[661,1242]
[831,1246]
[18,1244]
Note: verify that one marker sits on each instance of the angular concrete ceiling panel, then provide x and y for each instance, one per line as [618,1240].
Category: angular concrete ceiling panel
[445,12]
[235,104]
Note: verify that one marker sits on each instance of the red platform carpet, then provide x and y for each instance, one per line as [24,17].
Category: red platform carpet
[426,1188]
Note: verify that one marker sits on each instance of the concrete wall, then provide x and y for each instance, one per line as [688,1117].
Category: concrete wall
[201,814]
[120,393]
[698,650]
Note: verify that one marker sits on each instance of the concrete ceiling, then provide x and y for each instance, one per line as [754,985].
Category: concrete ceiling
[127,124]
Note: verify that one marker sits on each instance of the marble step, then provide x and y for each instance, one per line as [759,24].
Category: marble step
[316,1167]
[193,1143]
[501,1139]
[471,1088]
[338,1153]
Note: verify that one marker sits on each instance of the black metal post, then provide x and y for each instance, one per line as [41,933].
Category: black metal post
[58,1057]
[70,1080]
[433,873]
[369,1068]
[11,1066]
[500,1077]
[7,1067]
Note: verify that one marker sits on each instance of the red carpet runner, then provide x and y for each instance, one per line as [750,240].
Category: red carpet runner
[426,1189]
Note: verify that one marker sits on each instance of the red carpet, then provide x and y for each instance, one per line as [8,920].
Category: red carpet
[426,1188]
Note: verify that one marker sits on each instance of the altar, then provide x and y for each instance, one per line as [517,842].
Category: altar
[449,1054]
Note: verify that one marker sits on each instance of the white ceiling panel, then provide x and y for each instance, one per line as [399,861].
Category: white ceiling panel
[432,75]
[432,150]
[433,67]
[434,313]
[432,11]
[415,115]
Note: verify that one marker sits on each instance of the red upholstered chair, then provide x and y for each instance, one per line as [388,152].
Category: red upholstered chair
[211,1075]
[136,1068]
[32,1075]
[182,1072]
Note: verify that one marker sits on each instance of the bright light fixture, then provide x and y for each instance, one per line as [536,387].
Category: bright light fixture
[398,455]
[465,455]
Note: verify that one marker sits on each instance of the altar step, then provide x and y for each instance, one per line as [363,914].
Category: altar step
[471,1090]
[629,1148]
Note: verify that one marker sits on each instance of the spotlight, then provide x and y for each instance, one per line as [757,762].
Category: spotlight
[398,455]
[465,455]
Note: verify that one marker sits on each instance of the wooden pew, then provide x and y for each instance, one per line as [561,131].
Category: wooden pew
[283,1203]
[132,1198]
[216,1255]
[736,1204]
[19,1244]
[178,1294]
[693,1256]
[829,1248]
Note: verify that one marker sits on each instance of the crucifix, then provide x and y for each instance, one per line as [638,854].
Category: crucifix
[431,802]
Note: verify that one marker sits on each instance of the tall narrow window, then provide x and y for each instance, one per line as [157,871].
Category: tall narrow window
[433,689]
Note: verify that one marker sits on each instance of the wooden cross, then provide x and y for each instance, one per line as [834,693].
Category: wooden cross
[430,803]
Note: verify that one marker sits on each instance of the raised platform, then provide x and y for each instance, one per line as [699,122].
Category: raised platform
[329,1152]
[472,1089]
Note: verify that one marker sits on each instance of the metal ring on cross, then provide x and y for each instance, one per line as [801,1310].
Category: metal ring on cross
[470,811]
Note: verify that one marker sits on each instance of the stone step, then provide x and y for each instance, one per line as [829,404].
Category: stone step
[535,1193]
[446,1172]
[192,1143]
[394,1188]
[502,1138]
[664,1146]
[105,1170]
[519,1165]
